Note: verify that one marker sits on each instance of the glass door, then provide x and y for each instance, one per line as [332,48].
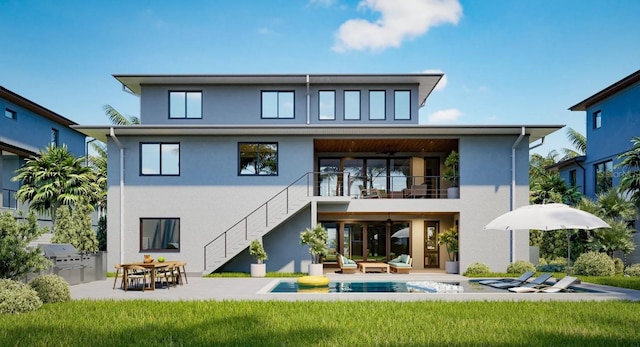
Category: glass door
[431,248]
[376,242]
[353,241]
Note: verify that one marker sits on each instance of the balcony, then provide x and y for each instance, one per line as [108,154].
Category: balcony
[381,187]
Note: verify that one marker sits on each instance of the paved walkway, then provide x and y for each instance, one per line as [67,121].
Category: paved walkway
[258,289]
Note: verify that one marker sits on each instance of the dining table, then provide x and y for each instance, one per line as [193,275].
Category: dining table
[152,266]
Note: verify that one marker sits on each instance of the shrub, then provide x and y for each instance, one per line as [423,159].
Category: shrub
[51,288]
[16,297]
[619,265]
[477,269]
[633,270]
[16,257]
[552,265]
[520,266]
[594,264]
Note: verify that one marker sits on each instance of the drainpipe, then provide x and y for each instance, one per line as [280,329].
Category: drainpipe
[513,190]
[112,133]
[308,103]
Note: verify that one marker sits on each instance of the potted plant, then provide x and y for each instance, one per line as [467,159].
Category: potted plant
[257,251]
[316,239]
[450,174]
[449,239]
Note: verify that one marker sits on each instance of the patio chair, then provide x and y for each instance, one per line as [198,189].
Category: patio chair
[136,274]
[368,193]
[560,286]
[401,264]
[540,280]
[119,274]
[523,278]
[347,266]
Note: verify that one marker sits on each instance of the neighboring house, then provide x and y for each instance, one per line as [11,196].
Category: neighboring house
[221,160]
[26,128]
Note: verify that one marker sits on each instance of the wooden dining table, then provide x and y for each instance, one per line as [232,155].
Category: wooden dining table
[152,266]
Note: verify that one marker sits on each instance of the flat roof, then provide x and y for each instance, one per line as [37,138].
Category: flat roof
[535,132]
[33,107]
[426,81]
[607,92]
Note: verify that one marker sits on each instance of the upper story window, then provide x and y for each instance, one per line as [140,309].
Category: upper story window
[159,159]
[327,105]
[159,234]
[597,119]
[11,114]
[185,104]
[258,159]
[352,105]
[377,105]
[54,136]
[573,178]
[402,105]
[604,176]
[277,104]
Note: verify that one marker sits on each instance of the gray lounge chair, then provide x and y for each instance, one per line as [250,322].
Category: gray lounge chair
[540,280]
[560,286]
[523,278]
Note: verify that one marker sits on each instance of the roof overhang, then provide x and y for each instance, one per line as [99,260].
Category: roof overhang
[607,92]
[33,107]
[426,81]
[535,132]
[567,162]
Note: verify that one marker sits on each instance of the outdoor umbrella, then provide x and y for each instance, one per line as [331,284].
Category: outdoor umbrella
[402,233]
[548,217]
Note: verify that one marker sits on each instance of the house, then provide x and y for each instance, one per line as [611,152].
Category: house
[26,128]
[221,160]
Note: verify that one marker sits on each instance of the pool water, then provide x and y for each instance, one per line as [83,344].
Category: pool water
[346,287]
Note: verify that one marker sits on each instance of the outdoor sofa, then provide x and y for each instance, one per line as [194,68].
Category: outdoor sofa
[401,264]
[347,266]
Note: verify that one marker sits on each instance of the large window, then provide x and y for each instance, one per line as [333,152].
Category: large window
[402,105]
[604,176]
[160,159]
[183,104]
[277,104]
[597,119]
[327,105]
[159,234]
[55,136]
[11,114]
[377,105]
[258,159]
[352,105]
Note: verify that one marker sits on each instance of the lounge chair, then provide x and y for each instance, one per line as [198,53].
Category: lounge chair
[401,264]
[523,278]
[369,193]
[347,266]
[560,286]
[540,280]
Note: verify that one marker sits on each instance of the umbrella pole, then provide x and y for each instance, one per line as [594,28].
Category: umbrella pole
[568,249]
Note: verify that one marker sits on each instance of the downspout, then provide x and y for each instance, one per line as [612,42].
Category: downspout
[308,103]
[513,189]
[112,133]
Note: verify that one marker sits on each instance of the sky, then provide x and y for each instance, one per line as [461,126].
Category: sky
[519,62]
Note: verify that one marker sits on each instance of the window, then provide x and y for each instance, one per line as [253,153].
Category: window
[327,105]
[573,178]
[277,104]
[159,234]
[597,119]
[11,114]
[377,105]
[352,105]
[185,104]
[258,159]
[160,159]
[54,136]
[604,176]
[402,104]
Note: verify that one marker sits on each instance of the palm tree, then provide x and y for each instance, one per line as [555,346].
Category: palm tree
[117,118]
[99,165]
[55,177]
[630,164]
[578,141]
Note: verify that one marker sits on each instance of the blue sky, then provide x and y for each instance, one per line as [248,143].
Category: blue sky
[505,62]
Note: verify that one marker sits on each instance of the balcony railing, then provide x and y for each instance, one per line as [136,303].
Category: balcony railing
[381,186]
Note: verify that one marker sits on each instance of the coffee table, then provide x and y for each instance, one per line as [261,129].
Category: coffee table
[378,266]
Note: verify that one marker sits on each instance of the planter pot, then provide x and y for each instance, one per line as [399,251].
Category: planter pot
[258,270]
[452,267]
[315,270]
[453,193]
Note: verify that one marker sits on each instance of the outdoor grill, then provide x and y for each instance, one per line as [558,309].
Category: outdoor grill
[72,265]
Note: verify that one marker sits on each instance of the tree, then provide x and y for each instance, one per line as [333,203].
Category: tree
[538,165]
[630,164]
[101,234]
[316,239]
[550,187]
[74,227]
[16,258]
[616,238]
[578,141]
[99,165]
[55,178]
[117,118]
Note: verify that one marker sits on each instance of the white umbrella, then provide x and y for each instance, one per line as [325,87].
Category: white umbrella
[402,233]
[548,217]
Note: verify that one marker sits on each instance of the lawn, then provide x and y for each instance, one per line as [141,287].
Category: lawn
[362,323]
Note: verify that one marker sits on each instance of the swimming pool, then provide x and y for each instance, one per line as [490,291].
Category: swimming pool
[349,287]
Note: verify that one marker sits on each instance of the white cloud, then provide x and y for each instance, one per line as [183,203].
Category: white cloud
[443,81]
[399,20]
[444,116]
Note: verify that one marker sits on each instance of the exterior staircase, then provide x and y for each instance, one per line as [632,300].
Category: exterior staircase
[258,223]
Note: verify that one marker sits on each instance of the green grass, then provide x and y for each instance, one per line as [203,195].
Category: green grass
[362,323]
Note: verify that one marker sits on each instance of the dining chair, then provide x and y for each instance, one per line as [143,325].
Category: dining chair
[135,273]
[119,274]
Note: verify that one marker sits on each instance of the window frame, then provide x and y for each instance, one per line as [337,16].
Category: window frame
[334,111]
[573,178]
[257,174]
[160,144]
[10,114]
[186,103]
[55,137]
[278,92]
[395,104]
[344,105]
[597,188]
[597,119]
[384,105]
[150,250]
